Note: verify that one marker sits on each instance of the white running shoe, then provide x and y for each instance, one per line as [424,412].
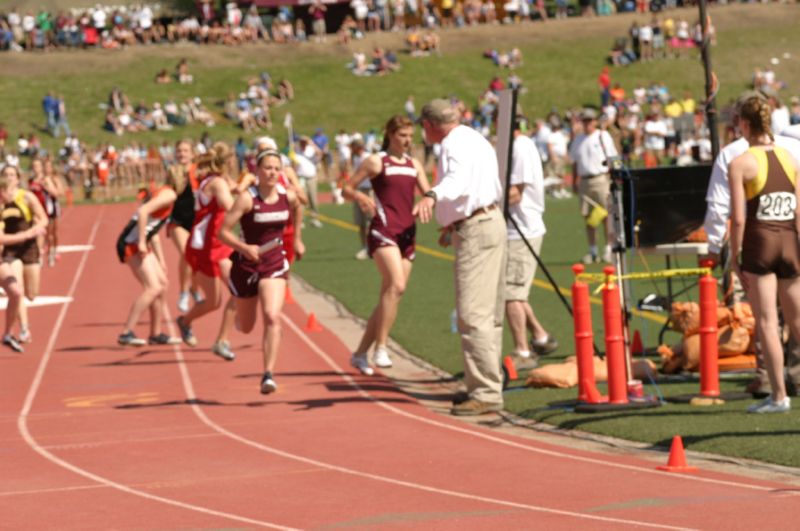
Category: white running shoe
[317,224]
[360,362]
[381,358]
[25,335]
[363,254]
[183,302]
[768,405]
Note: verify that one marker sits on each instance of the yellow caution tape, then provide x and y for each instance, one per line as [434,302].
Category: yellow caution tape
[667,273]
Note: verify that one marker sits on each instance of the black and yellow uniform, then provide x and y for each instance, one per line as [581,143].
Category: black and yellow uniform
[18,217]
[770,235]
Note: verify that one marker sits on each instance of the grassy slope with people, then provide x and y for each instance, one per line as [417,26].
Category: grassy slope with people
[561,63]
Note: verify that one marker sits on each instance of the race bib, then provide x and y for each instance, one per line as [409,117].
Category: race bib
[777,206]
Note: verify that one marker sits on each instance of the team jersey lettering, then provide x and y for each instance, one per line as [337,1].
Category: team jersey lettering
[399,170]
[271,217]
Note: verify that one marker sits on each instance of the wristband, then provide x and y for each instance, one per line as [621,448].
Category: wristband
[432,195]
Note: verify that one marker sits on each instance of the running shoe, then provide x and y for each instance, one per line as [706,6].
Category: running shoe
[316,223]
[197,296]
[363,254]
[162,339]
[544,346]
[13,343]
[223,350]
[360,362]
[524,363]
[768,405]
[129,339]
[186,332]
[590,258]
[183,302]
[25,335]
[381,358]
[268,384]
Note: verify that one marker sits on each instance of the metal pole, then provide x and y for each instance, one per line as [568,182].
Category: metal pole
[510,154]
[711,103]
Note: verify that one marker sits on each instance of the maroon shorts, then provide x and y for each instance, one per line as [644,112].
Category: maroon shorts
[245,275]
[406,241]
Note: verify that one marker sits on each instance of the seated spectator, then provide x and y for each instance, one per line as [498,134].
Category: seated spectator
[182,74]
[285,91]
[348,30]
[159,118]
[163,77]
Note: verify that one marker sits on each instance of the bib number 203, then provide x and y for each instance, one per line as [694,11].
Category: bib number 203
[777,206]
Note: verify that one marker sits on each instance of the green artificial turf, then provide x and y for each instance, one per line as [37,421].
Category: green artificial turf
[423,328]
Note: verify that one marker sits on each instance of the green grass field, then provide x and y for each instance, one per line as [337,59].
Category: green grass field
[562,60]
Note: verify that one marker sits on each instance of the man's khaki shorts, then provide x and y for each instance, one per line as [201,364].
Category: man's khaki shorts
[520,268]
[595,188]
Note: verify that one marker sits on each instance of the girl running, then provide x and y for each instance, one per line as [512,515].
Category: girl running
[47,188]
[20,214]
[260,267]
[764,232]
[140,247]
[392,233]
[287,179]
[14,236]
[184,176]
[205,254]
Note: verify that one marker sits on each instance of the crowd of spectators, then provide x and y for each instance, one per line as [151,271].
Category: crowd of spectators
[658,39]
[115,27]
[121,116]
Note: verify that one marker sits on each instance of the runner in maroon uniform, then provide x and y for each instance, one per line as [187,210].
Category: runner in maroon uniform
[260,266]
[391,237]
[205,254]
[45,185]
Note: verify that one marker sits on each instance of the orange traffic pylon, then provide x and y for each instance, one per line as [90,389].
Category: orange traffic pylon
[312,325]
[636,344]
[508,363]
[677,458]
[289,299]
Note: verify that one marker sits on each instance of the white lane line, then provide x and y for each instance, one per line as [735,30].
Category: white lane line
[22,420]
[192,398]
[49,491]
[499,440]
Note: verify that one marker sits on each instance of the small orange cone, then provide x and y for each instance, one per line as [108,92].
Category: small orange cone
[636,344]
[289,299]
[313,325]
[677,458]
[508,363]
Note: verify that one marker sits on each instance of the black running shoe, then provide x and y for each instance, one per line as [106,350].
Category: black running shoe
[161,339]
[186,332]
[268,385]
[14,344]
[130,339]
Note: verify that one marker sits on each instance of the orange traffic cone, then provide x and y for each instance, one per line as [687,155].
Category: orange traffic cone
[677,458]
[508,363]
[636,344]
[312,325]
[289,299]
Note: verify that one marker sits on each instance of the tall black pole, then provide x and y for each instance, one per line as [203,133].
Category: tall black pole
[711,99]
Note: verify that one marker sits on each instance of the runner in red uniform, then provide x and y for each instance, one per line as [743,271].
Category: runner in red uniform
[206,255]
[140,247]
[260,266]
[391,238]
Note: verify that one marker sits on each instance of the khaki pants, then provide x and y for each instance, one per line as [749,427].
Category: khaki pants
[480,245]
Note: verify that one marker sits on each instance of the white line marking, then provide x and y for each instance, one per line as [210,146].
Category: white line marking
[191,396]
[22,420]
[41,300]
[74,248]
[499,440]
[49,491]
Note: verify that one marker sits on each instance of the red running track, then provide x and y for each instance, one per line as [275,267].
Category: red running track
[95,436]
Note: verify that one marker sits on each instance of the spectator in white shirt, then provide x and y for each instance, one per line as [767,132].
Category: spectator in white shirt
[590,151]
[525,234]
[466,199]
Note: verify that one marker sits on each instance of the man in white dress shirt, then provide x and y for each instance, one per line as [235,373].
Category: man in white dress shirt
[718,201]
[467,201]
